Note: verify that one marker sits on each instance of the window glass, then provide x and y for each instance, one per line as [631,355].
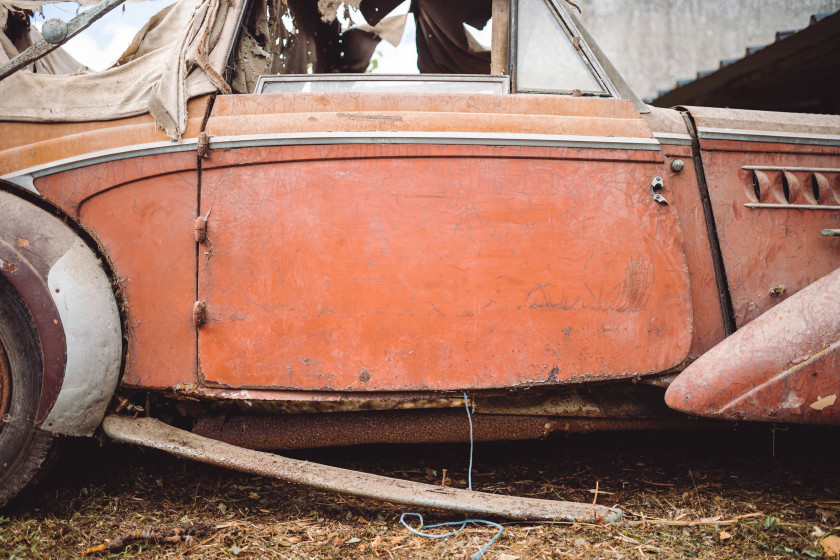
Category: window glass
[546,60]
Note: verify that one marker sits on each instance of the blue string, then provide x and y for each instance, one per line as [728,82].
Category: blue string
[463,524]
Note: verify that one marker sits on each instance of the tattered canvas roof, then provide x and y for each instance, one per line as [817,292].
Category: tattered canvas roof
[181,53]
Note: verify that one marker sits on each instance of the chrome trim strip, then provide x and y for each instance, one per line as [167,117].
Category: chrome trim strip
[791,206]
[24,181]
[265,80]
[673,139]
[24,177]
[783,168]
[768,136]
[458,138]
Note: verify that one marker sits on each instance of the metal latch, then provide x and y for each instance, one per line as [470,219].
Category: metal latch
[656,186]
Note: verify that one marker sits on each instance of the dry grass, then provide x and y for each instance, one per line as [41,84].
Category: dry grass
[95,496]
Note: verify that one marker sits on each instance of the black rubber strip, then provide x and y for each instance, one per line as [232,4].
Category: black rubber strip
[729,325]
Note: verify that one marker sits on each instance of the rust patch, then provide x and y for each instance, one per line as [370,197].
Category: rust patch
[199,313]
[778,291]
[365,117]
[306,430]
[21,242]
[7,266]
[5,384]
[364,376]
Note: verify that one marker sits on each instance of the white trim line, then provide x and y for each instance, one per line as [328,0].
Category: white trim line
[769,136]
[459,138]
[791,206]
[24,177]
[783,168]
[673,138]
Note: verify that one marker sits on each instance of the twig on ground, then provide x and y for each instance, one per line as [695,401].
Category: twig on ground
[170,536]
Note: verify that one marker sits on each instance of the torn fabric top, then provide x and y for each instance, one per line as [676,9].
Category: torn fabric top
[180,54]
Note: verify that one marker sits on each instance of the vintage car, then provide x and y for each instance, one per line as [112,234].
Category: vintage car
[236,232]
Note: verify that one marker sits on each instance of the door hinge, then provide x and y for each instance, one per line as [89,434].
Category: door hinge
[199,313]
[200,229]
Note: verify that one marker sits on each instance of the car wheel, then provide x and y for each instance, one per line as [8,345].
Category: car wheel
[23,447]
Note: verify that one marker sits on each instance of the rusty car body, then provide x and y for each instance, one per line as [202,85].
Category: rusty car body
[508,224]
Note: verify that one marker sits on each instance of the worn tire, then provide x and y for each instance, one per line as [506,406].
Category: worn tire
[23,447]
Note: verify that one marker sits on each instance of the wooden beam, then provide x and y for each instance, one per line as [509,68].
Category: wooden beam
[499,45]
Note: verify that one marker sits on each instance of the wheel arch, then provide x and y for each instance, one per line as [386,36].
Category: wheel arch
[68,283]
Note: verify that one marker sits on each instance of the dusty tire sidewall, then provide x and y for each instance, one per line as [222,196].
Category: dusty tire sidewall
[20,442]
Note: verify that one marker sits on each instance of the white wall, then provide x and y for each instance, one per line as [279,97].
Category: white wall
[655,42]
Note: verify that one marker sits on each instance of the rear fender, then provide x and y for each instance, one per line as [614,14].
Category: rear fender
[65,285]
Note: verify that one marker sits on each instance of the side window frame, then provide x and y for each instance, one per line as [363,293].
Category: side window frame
[596,61]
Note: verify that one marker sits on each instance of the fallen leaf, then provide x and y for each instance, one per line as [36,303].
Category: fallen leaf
[504,556]
[823,402]
[354,540]
[724,535]
[771,523]
[235,550]
[831,546]
[294,540]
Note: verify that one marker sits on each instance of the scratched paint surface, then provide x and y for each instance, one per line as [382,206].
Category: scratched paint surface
[408,267]
[764,248]
[146,228]
[708,327]
[767,249]
[782,366]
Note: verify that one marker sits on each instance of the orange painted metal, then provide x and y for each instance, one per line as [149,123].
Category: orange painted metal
[69,190]
[781,367]
[436,267]
[141,210]
[531,114]
[707,326]
[146,227]
[24,145]
[768,254]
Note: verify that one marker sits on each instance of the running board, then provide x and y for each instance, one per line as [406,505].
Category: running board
[149,432]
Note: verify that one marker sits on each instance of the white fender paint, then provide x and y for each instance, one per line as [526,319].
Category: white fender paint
[88,309]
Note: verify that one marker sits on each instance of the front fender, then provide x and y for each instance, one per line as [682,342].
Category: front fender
[69,294]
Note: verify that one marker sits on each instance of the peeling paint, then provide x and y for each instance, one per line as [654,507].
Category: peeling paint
[793,401]
[824,402]
[7,266]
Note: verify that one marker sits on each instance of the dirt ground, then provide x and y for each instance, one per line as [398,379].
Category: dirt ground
[757,493]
